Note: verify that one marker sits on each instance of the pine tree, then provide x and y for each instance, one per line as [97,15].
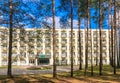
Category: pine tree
[71,16]
[54,40]
[9,72]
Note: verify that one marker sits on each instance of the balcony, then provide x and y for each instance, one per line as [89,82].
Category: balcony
[47,51]
[72,35]
[47,42]
[64,48]
[39,44]
[64,42]
[95,38]
[39,31]
[64,35]
[103,50]
[48,48]
[4,54]
[89,45]
[31,55]
[4,50]
[103,44]
[31,50]
[22,43]
[14,36]
[89,50]
[14,44]
[14,49]
[95,45]
[4,43]
[22,49]
[39,50]
[30,36]
[31,43]
[57,41]
[63,31]
[39,36]
[14,53]
[57,35]
[47,36]
[4,58]
[103,38]
[63,55]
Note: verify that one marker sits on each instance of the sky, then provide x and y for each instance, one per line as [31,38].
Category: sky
[34,13]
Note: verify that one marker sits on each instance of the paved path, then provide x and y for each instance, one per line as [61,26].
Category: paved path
[18,71]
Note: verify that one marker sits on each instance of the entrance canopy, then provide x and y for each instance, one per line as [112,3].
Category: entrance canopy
[43,56]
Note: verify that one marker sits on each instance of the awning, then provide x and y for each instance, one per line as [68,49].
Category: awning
[43,56]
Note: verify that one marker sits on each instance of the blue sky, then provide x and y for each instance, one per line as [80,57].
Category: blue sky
[35,14]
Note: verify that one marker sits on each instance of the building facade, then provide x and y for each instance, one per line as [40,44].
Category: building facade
[35,46]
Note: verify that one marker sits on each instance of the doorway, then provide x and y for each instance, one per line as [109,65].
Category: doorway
[43,61]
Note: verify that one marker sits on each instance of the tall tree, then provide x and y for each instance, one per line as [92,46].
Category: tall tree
[89,25]
[9,72]
[100,34]
[79,33]
[110,27]
[71,16]
[112,38]
[54,40]
[86,38]
[115,38]
[118,35]
[94,4]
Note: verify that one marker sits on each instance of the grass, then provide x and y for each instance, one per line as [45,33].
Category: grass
[3,67]
[107,77]
[39,68]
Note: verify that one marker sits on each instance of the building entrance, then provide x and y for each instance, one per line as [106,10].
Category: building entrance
[42,61]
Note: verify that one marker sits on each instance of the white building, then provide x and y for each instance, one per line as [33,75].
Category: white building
[27,43]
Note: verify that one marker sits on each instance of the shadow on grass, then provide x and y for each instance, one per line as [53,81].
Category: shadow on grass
[26,79]
[107,75]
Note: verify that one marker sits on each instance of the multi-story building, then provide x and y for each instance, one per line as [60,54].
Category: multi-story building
[35,46]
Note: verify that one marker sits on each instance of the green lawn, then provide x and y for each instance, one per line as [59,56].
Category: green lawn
[2,67]
[39,68]
[79,77]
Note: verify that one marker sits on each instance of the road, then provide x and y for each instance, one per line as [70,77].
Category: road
[20,71]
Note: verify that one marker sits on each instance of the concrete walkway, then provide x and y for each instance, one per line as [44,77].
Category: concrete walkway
[19,71]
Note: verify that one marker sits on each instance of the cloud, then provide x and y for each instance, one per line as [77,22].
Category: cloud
[75,23]
[57,20]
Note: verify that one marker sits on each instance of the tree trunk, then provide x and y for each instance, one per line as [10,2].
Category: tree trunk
[109,27]
[100,32]
[80,52]
[115,38]
[118,41]
[9,71]
[97,47]
[97,36]
[54,40]
[86,42]
[112,38]
[89,25]
[71,16]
